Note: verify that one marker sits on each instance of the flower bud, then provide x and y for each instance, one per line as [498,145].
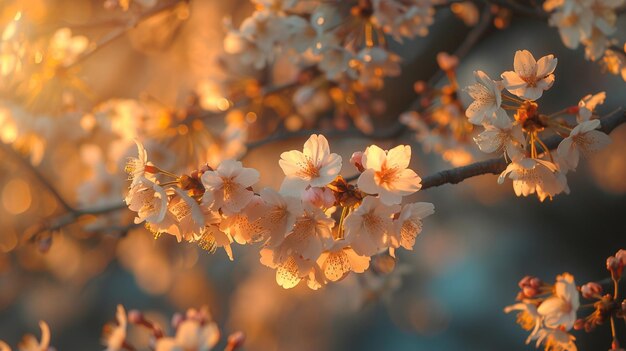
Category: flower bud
[621,257]
[579,324]
[319,197]
[135,317]
[357,160]
[235,341]
[447,62]
[591,290]
[615,266]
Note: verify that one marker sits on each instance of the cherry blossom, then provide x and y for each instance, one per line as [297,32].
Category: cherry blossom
[227,186]
[315,166]
[530,78]
[370,226]
[387,174]
[583,138]
[487,98]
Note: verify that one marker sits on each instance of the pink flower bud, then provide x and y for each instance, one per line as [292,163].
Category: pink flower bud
[235,340]
[135,317]
[357,160]
[420,86]
[530,292]
[447,62]
[590,290]
[621,257]
[615,266]
[319,197]
[579,324]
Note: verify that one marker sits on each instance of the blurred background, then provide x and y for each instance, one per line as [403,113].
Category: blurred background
[447,294]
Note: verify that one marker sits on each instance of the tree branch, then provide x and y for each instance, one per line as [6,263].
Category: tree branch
[497,165]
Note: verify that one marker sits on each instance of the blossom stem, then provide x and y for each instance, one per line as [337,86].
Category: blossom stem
[545,148]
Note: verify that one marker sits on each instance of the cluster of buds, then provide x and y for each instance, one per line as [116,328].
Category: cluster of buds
[550,311]
[441,125]
[317,228]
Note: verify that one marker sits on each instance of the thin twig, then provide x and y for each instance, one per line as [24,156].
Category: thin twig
[112,36]
[8,150]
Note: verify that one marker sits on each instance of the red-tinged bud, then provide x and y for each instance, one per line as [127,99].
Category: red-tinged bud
[572,110]
[135,317]
[150,169]
[621,257]
[357,161]
[235,341]
[530,292]
[579,324]
[615,266]
[530,281]
[591,290]
[447,62]
[419,86]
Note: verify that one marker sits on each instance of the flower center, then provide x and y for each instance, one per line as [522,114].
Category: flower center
[387,176]
[308,169]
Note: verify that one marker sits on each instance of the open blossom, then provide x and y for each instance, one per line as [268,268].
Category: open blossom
[227,186]
[310,235]
[555,340]
[368,228]
[583,138]
[290,270]
[340,260]
[136,166]
[560,309]
[587,106]
[314,166]
[387,174]
[502,135]
[30,343]
[197,332]
[149,200]
[409,223]
[487,98]
[532,176]
[530,78]
[115,335]
[527,317]
[278,215]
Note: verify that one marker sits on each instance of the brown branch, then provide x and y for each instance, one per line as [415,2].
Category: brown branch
[71,217]
[497,165]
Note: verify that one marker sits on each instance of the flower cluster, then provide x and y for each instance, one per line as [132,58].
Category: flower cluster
[344,39]
[30,343]
[586,22]
[316,228]
[533,167]
[550,311]
[193,331]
